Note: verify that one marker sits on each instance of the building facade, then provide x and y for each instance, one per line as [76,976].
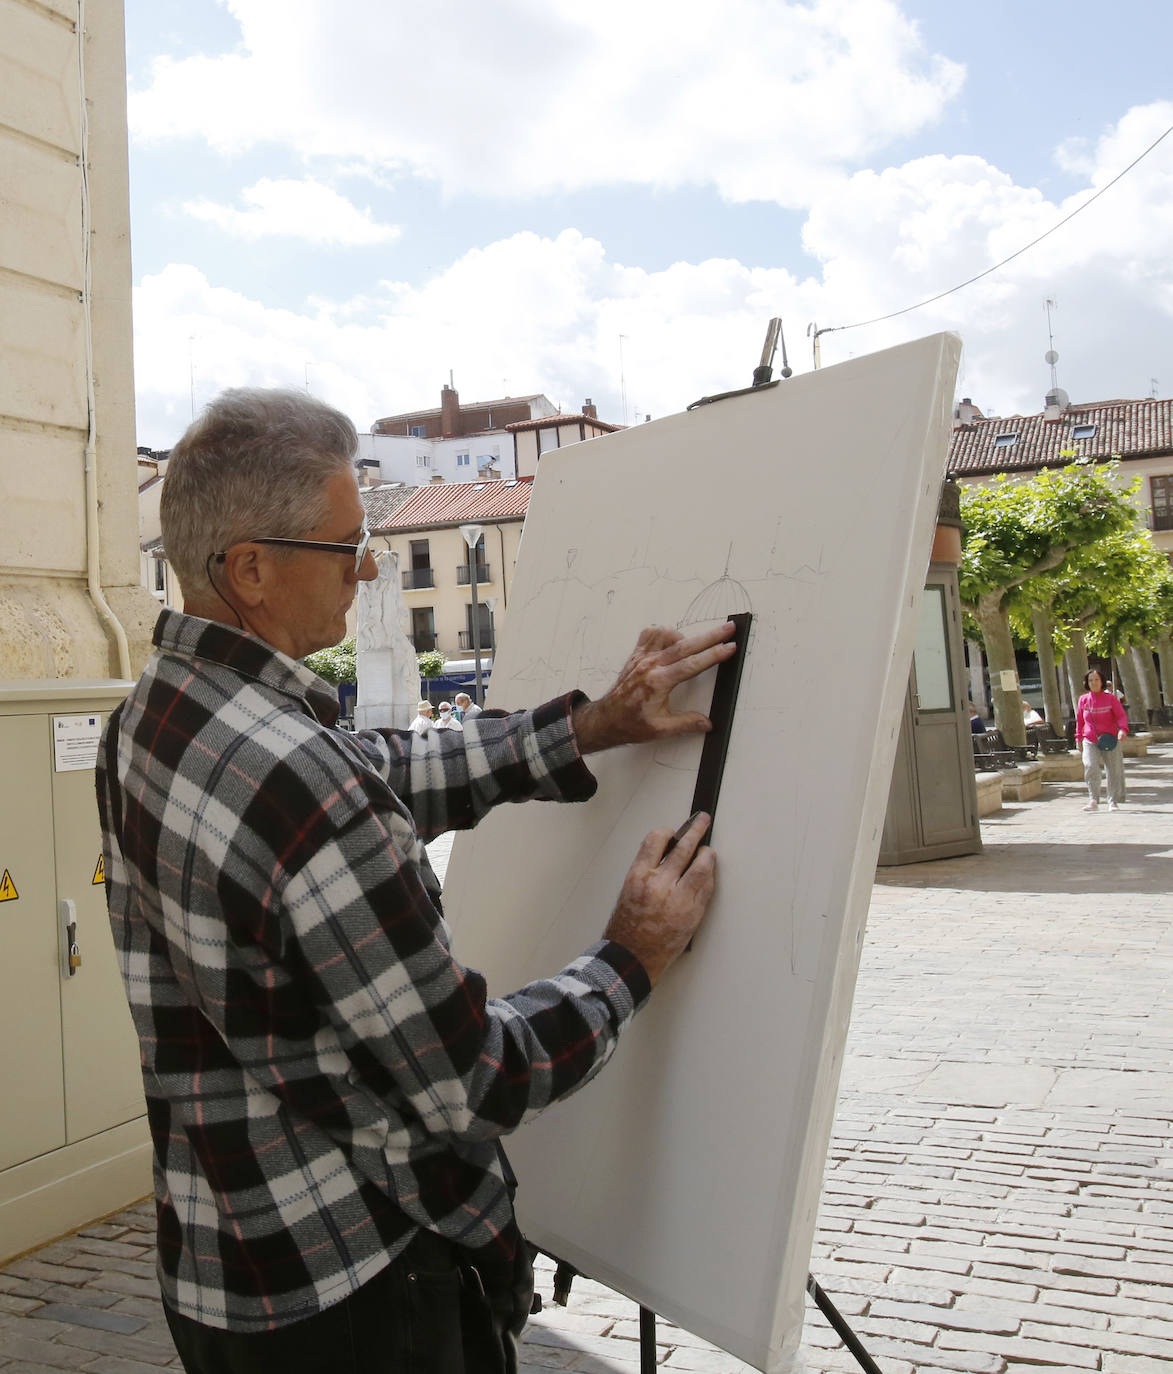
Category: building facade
[1138,433]
[424,528]
[472,443]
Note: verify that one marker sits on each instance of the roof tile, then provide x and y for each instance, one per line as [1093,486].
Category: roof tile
[457,503]
[1124,429]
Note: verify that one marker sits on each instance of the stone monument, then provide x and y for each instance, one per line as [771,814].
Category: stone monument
[388,673]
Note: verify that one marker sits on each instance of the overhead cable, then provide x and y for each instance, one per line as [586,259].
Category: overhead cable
[839,328]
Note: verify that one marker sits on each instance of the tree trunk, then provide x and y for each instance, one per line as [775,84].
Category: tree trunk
[1000,651]
[1076,660]
[1143,654]
[1129,679]
[1165,650]
[977,680]
[1064,683]
[1044,628]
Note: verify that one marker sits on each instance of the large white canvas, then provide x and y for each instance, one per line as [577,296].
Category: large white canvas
[687,1175]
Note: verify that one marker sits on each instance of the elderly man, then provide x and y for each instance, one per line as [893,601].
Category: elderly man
[466,708]
[326,1084]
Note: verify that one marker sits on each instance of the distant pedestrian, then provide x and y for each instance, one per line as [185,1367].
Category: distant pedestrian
[445,720]
[1100,725]
[423,718]
[977,726]
[466,708]
[1029,715]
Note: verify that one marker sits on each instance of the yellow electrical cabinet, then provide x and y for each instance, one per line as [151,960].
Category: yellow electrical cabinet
[73,1136]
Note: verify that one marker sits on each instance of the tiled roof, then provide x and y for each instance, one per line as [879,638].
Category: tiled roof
[546,421]
[1125,429]
[381,502]
[458,503]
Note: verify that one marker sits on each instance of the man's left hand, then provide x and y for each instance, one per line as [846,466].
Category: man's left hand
[636,709]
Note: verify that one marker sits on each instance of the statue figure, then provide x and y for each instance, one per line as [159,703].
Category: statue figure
[388,674]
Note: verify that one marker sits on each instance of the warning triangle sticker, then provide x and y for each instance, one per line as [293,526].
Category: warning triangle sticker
[100,871]
[8,892]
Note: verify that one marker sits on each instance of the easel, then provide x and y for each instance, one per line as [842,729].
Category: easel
[565,1274]
[705,794]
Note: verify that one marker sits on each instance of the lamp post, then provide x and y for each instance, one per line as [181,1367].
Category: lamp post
[472,536]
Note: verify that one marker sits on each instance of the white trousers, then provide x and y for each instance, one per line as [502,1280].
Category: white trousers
[1112,761]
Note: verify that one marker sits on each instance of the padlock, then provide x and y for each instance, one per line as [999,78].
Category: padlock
[74,958]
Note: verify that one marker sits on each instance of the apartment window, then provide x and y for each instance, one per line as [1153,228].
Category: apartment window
[1161,489]
[160,570]
[420,573]
[464,570]
[423,628]
[1084,432]
[422,460]
[1004,440]
[418,431]
[462,460]
[485,627]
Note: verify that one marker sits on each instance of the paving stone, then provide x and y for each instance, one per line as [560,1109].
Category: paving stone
[92,1317]
[1038,1352]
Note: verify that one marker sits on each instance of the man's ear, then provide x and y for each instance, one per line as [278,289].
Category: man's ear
[244,574]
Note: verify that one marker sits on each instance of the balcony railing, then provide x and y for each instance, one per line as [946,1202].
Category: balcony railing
[486,640]
[416,578]
[423,643]
[464,574]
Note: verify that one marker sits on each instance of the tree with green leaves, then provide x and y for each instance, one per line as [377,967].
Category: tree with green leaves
[337,664]
[431,664]
[1090,592]
[1018,530]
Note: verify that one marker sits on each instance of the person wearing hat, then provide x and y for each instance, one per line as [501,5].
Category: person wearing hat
[445,719]
[1100,725]
[423,717]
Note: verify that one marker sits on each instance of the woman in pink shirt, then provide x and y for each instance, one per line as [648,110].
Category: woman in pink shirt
[1097,715]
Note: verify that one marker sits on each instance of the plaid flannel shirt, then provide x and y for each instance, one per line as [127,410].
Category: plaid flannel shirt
[322,1076]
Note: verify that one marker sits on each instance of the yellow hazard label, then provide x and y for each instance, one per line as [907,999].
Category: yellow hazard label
[8,892]
[100,871]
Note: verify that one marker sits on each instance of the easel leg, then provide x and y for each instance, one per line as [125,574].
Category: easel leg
[842,1330]
[647,1341]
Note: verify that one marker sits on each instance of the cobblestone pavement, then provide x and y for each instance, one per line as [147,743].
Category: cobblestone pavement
[999,1188]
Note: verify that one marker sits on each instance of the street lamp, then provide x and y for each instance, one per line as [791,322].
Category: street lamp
[472,537]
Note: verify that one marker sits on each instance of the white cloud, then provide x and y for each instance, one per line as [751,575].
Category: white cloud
[760,98]
[286,208]
[892,239]
[545,314]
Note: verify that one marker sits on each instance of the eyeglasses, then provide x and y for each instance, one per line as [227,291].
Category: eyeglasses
[359,550]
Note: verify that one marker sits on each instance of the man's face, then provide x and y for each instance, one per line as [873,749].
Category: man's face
[312,590]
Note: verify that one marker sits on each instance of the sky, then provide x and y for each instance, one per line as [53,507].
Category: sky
[364,198]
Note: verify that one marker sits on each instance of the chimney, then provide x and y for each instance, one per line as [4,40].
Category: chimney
[449,411]
[964,413]
[589,409]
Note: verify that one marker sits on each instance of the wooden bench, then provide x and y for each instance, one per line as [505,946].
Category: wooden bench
[990,751]
[1047,739]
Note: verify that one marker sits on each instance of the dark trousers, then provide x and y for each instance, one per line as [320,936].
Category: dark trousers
[426,1313]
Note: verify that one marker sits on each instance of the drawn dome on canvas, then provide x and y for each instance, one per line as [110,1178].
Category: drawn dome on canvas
[719,599]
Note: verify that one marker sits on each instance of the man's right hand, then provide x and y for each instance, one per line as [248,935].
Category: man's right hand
[664,897]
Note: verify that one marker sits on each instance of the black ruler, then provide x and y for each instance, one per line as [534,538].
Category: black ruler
[716,746]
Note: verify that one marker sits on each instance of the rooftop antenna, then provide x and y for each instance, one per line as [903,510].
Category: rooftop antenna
[1051,357]
[622,383]
[1153,387]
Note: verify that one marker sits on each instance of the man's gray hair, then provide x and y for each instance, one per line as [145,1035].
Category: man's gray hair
[254,464]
